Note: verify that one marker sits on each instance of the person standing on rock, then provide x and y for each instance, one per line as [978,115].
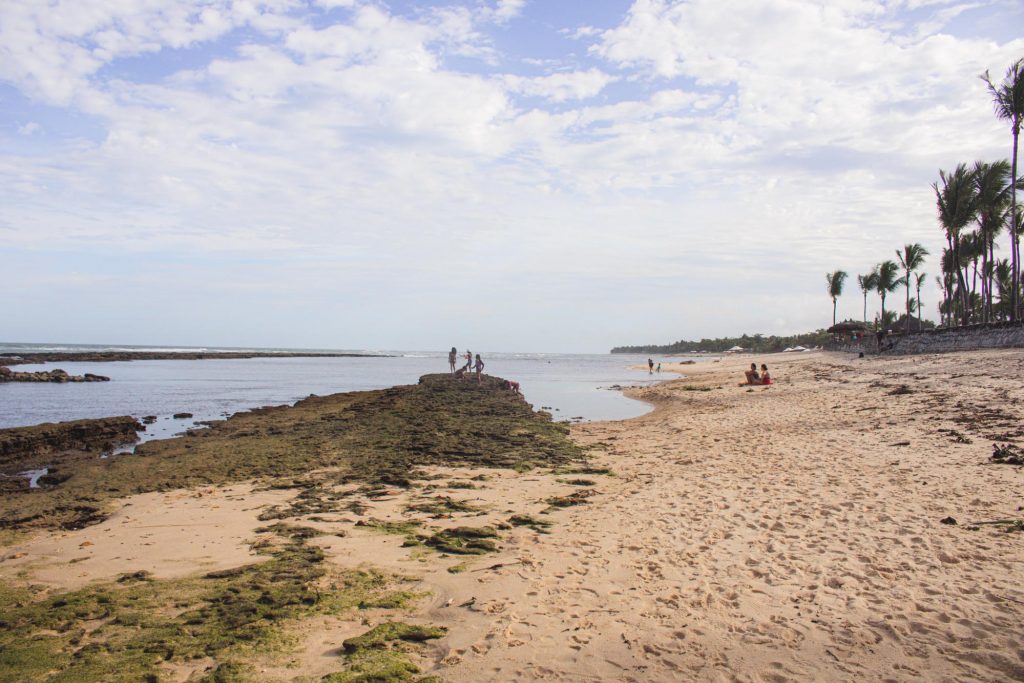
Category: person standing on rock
[479,367]
[469,360]
[452,356]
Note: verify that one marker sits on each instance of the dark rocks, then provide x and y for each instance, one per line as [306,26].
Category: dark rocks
[59,376]
[948,520]
[149,419]
[17,443]
[182,416]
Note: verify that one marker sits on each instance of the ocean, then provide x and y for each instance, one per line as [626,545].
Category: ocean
[570,386]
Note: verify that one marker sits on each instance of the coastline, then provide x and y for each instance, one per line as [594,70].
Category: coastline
[42,357]
[792,531]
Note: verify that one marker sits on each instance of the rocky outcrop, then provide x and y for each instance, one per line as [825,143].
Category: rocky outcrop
[18,445]
[60,376]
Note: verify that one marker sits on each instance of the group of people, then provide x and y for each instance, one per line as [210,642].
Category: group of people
[757,378]
[470,365]
[478,366]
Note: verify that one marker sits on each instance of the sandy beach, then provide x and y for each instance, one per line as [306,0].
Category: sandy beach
[791,532]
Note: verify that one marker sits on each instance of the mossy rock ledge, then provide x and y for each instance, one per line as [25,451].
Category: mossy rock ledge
[378,437]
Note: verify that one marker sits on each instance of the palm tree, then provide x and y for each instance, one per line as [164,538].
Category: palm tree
[835,282]
[993,190]
[867,283]
[1003,282]
[920,280]
[957,204]
[911,258]
[1008,99]
[887,282]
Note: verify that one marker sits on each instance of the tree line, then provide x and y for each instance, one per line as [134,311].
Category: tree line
[976,205]
[758,343]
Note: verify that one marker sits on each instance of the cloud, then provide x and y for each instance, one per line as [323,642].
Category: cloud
[560,87]
[691,147]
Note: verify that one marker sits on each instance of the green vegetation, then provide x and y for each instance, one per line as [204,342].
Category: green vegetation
[379,655]
[131,628]
[376,437]
[758,343]
[539,525]
[574,498]
[464,540]
[441,506]
[835,281]
[975,205]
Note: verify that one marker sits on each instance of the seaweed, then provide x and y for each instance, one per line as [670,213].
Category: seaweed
[574,498]
[464,540]
[441,506]
[1006,454]
[127,629]
[374,437]
[583,469]
[531,522]
[380,636]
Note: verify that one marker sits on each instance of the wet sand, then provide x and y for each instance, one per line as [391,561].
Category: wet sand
[749,534]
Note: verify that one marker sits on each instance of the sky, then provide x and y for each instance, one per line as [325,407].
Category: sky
[508,175]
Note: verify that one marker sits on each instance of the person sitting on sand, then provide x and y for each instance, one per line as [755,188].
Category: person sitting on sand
[479,367]
[452,356]
[752,376]
[765,377]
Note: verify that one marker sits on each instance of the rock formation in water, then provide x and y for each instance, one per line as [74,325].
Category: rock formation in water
[17,444]
[60,376]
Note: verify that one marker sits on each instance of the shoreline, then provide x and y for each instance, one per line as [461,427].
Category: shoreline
[795,530]
[42,357]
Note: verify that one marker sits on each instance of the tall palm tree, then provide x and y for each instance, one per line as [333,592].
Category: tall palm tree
[911,258]
[835,281]
[867,283]
[993,190]
[1008,99]
[1003,282]
[919,280]
[946,284]
[886,283]
[956,201]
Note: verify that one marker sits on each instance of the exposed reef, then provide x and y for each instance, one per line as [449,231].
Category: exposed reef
[59,376]
[20,446]
[376,437]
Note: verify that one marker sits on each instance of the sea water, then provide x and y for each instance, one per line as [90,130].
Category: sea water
[570,386]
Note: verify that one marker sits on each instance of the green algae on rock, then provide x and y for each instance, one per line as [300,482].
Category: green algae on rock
[131,630]
[376,437]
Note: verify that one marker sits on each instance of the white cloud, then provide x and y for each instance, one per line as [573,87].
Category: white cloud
[560,87]
[695,145]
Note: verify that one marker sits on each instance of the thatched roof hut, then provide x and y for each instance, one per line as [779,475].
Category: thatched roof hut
[848,328]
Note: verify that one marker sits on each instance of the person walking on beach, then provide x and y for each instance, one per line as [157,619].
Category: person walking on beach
[479,367]
[452,356]
[650,366]
[659,367]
